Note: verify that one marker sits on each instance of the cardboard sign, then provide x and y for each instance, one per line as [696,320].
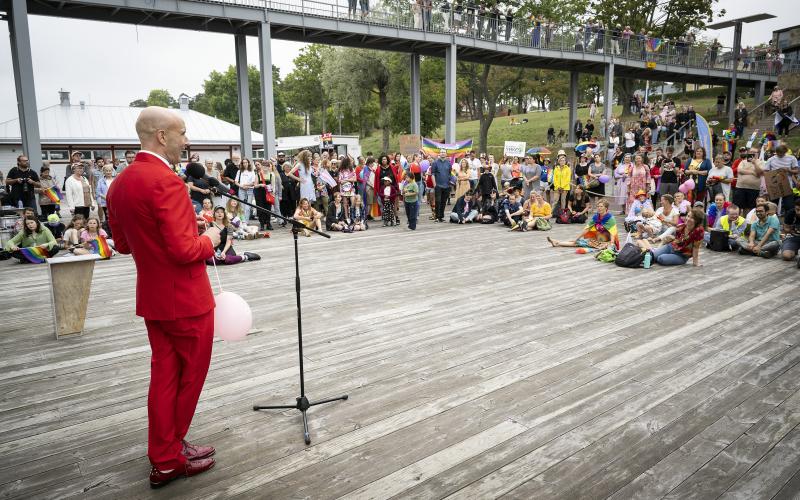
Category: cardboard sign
[326,140]
[514,148]
[409,144]
[777,182]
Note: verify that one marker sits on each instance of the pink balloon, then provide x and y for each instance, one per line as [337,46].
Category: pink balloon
[232,317]
[689,184]
[683,189]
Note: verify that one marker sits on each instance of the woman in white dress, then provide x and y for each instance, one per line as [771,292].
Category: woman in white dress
[302,174]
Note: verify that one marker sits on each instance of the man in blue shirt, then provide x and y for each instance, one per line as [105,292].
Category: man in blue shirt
[440,169]
[765,235]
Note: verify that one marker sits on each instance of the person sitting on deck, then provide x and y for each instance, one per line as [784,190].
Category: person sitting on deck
[641,202]
[791,226]
[600,231]
[465,209]
[72,236]
[224,253]
[733,224]
[678,249]
[33,244]
[335,218]
[513,211]
[538,212]
[489,209]
[55,226]
[358,215]
[765,235]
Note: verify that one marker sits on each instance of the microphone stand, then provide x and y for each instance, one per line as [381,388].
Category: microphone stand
[301,403]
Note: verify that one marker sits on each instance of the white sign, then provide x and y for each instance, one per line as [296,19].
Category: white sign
[514,148]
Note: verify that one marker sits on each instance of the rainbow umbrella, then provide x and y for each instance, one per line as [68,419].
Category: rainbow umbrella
[539,151]
[581,146]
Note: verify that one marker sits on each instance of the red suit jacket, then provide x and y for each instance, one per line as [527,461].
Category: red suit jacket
[152,218]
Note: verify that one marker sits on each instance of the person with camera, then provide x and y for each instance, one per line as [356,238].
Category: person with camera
[22,182]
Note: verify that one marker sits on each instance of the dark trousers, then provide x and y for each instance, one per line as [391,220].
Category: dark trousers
[442,197]
[260,195]
[288,207]
[412,213]
[83,211]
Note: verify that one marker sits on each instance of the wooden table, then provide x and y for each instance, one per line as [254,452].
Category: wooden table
[70,283]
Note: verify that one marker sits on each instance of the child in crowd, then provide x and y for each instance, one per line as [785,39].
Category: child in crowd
[72,236]
[358,215]
[224,253]
[650,225]
[388,195]
[55,226]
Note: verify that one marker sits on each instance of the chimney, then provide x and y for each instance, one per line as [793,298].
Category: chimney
[183,101]
[63,97]
[83,104]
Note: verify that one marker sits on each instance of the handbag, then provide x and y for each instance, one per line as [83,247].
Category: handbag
[270,198]
[563,217]
[542,224]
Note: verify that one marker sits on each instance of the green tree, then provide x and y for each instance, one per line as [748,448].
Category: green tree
[353,76]
[138,103]
[161,97]
[303,89]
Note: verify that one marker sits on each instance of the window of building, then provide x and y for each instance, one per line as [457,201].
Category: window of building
[59,155]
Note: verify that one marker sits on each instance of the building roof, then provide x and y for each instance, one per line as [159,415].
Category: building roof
[93,124]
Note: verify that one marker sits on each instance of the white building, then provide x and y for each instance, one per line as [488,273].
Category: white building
[108,131]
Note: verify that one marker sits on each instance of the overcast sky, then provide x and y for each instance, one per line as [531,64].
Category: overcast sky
[113,64]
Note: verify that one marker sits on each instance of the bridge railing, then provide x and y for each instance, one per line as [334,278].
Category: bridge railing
[525,32]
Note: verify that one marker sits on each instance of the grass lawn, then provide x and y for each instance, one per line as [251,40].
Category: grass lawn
[534,133]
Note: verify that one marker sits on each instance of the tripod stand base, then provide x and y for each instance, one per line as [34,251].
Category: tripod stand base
[302,404]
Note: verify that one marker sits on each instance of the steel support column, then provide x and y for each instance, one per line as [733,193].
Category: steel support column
[415,98]
[243,94]
[573,103]
[608,94]
[22,64]
[450,94]
[737,50]
[267,96]
[761,91]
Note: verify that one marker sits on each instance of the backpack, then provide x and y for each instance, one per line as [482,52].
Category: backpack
[607,255]
[630,256]
[564,218]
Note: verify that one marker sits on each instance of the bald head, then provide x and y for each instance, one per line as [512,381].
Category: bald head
[162,131]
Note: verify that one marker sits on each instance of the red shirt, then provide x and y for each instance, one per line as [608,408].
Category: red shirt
[684,242]
[735,168]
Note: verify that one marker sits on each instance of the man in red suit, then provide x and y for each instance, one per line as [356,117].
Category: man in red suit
[152,219]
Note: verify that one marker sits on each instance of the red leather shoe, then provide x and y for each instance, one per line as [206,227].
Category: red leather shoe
[196,452]
[189,469]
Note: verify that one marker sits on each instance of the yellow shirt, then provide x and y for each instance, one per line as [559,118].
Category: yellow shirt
[541,211]
[562,178]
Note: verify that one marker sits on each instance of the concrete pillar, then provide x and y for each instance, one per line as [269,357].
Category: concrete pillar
[573,103]
[415,98]
[23,81]
[243,91]
[267,97]
[761,91]
[608,94]
[450,94]
[737,49]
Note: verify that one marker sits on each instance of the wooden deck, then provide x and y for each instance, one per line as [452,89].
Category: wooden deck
[479,363]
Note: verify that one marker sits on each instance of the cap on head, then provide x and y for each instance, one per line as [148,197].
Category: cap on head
[53,218]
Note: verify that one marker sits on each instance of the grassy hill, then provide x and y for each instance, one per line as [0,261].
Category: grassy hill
[535,131]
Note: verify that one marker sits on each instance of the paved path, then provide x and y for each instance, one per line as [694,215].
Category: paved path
[479,363]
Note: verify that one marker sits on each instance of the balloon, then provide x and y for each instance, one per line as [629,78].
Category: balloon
[604,178]
[232,317]
[425,165]
[683,189]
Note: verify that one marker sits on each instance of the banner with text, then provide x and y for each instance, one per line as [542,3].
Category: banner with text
[514,148]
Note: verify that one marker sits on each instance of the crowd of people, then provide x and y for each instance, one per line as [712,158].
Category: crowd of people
[658,193]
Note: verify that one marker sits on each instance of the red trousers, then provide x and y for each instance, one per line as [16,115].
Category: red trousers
[181,355]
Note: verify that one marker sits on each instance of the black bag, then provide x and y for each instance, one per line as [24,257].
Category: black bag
[719,241]
[630,256]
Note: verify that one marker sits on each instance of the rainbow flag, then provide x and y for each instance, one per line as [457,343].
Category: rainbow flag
[36,255]
[100,246]
[455,150]
[604,229]
[653,44]
[54,194]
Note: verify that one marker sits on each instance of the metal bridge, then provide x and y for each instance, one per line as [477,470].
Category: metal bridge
[452,35]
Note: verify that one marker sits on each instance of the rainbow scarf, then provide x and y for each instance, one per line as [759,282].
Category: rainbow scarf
[100,246]
[455,150]
[604,229]
[36,255]
[653,44]
[53,194]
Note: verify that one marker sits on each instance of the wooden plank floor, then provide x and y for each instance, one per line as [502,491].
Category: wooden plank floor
[479,363]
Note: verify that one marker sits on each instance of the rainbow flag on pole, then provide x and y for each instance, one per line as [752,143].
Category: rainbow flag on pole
[101,247]
[455,150]
[54,194]
[36,255]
